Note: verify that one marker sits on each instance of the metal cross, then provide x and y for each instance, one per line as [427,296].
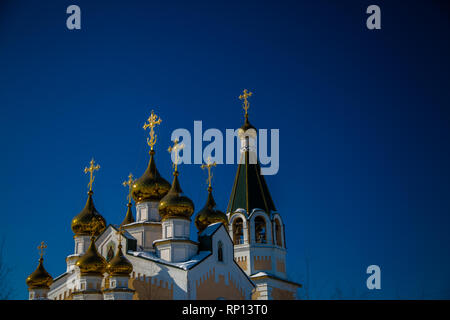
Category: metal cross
[91,170]
[41,248]
[176,149]
[246,94]
[120,233]
[208,166]
[153,120]
[129,183]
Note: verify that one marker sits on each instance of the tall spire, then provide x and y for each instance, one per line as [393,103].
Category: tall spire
[129,216]
[250,190]
[246,105]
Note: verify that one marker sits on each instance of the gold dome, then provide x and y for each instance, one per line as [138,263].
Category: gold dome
[40,278]
[174,205]
[92,262]
[88,219]
[119,265]
[151,186]
[208,215]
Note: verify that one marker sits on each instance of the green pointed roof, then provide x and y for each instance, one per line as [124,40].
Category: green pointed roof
[250,190]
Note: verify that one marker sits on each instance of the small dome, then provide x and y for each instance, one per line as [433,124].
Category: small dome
[40,278]
[92,262]
[129,216]
[119,265]
[208,215]
[175,205]
[151,186]
[87,219]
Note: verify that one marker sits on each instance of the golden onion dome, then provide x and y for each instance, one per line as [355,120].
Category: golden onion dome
[92,262]
[40,278]
[129,216]
[119,265]
[151,186]
[175,205]
[84,222]
[209,215]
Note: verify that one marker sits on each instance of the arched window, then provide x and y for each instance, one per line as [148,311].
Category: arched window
[220,252]
[278,240]
[238,231]
[110,254]
[260,230]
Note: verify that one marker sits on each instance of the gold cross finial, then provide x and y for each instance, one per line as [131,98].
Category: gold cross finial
[176,149]
[120,233]
[129,183]
[246,94]
[153,120]
[91,170]
[41,248]
[208,166]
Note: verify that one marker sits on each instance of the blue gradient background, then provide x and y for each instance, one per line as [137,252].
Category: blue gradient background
[363,118]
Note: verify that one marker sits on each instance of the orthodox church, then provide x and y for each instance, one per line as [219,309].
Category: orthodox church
[237,255]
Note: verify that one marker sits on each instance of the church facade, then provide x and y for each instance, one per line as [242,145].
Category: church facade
[240,255]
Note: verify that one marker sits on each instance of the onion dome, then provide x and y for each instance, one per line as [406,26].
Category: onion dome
[151,186]
[40,278]
[175,205]
[209,215]
[83,223]
[129,216]
[119,265]
[92,262]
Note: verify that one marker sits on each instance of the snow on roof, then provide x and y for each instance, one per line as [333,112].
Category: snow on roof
[186,265]
[259,274]
[211,229]
[126,234]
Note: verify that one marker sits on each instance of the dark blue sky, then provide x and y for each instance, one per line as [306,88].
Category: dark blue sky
[363,116]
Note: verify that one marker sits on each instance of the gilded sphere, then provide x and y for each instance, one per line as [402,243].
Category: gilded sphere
[174,205]
[92,262]
[209,215]
[151,186]
[119,265]
[40,278]
[88,220]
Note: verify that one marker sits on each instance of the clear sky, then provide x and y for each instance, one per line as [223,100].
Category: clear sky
[363,116]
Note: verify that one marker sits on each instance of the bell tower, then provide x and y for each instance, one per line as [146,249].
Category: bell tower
[255,226]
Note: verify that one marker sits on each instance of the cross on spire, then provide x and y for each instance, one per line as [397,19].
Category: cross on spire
[176,149]
[41,248]
[153,121]
[120,233]
[209,164]
[129,183]
[246,94]
[91,170]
